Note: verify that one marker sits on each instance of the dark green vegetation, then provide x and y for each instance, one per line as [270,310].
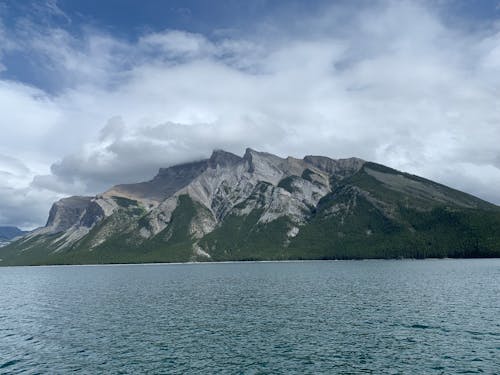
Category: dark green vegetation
[365,218]
[376,212]
[243,238]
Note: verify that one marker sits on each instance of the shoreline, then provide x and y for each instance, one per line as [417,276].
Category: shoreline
[240,262]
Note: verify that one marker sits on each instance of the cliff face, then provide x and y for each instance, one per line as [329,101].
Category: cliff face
[261,206]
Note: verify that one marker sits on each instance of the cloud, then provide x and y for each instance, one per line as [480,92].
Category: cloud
[391,82]
[20,204]
[25,208]
[12,165]
[123,154]
[175,43]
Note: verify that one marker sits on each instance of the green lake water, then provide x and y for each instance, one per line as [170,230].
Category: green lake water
[380,317]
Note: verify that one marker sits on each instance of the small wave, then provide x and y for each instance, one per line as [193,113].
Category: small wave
[420,326]
[10,363]
[477,333]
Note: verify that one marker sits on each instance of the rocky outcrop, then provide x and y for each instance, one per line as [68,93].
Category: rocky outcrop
[162,186]
[336,168]
[222,159]
[67,212]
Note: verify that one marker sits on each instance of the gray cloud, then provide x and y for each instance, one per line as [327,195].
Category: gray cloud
[391,82]
[130,155]
[25,207]
[12,165]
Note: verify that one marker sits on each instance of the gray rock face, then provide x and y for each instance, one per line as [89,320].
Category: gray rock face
[224,184]
[73,218]
[223,158]
[271,168]
[164,185]
[93,214]
[230,182]
[66,213]
[338,168]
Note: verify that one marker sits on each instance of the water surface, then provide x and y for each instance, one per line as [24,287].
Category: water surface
[381,317]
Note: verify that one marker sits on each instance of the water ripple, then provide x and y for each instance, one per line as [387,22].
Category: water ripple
[373,317]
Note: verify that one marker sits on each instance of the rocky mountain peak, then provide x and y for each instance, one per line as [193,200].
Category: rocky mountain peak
[266,167]
[65,212]
[335,166]
[163,185]
[185,168]
[223,158]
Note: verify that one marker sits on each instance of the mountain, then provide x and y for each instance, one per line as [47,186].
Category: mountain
[262,207]
[8,233]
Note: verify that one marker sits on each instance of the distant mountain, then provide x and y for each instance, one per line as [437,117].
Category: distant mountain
[261,207]
[8,233]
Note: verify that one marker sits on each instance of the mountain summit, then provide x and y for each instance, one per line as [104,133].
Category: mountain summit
[260,207]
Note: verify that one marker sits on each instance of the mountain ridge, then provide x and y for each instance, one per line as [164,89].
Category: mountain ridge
[261,206]
[8,233]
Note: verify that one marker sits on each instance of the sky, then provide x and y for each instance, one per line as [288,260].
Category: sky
[95,93]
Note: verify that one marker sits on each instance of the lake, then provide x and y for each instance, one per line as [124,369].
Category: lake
[344,317]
